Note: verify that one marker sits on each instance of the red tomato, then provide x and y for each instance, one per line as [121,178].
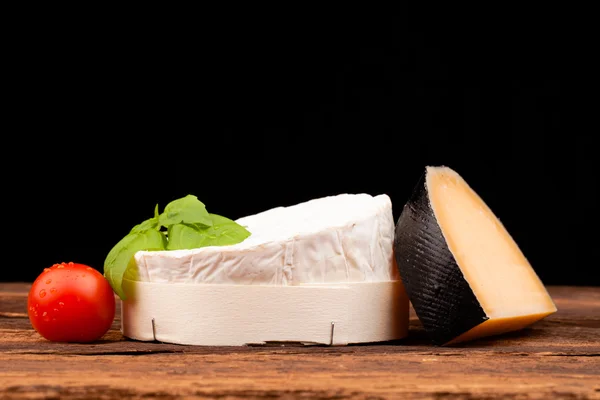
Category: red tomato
[71,302]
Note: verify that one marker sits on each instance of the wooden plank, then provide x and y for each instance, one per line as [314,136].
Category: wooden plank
[558,357]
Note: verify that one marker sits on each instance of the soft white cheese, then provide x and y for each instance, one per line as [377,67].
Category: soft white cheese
[334,239]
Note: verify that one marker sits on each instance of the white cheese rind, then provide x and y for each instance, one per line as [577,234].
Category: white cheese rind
[334,239]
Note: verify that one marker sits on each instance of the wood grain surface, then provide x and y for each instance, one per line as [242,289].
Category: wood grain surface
[556,358]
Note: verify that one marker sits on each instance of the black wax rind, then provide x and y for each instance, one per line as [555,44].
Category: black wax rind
[442,298]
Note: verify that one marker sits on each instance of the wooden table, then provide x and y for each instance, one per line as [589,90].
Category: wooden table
[556,358]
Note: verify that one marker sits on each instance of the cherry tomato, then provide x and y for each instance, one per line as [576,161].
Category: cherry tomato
[71,302]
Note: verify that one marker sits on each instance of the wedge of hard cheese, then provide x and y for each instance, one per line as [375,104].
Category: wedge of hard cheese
[321,271]
[464,274]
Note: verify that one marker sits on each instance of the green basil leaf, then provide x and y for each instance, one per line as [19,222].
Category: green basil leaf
[120,255]
[223,232]
[184,236]
[131,271]
[151,223]
[187,210]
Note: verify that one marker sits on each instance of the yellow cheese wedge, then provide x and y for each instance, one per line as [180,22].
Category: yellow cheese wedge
[464,274]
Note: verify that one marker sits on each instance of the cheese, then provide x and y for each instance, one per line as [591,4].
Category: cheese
[304,267]
[343,238]
[464,274]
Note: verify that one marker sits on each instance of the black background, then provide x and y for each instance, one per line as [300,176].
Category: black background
[112,118]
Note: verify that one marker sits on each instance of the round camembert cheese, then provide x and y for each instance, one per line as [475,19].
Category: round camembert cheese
[319,272]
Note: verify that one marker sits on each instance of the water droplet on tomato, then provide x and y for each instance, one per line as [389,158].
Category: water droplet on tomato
[46,269]
[89,268]
[44,314]
[53,290]
[42,293]
[60,266]
[49,281]
[60,303]
[56,310]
